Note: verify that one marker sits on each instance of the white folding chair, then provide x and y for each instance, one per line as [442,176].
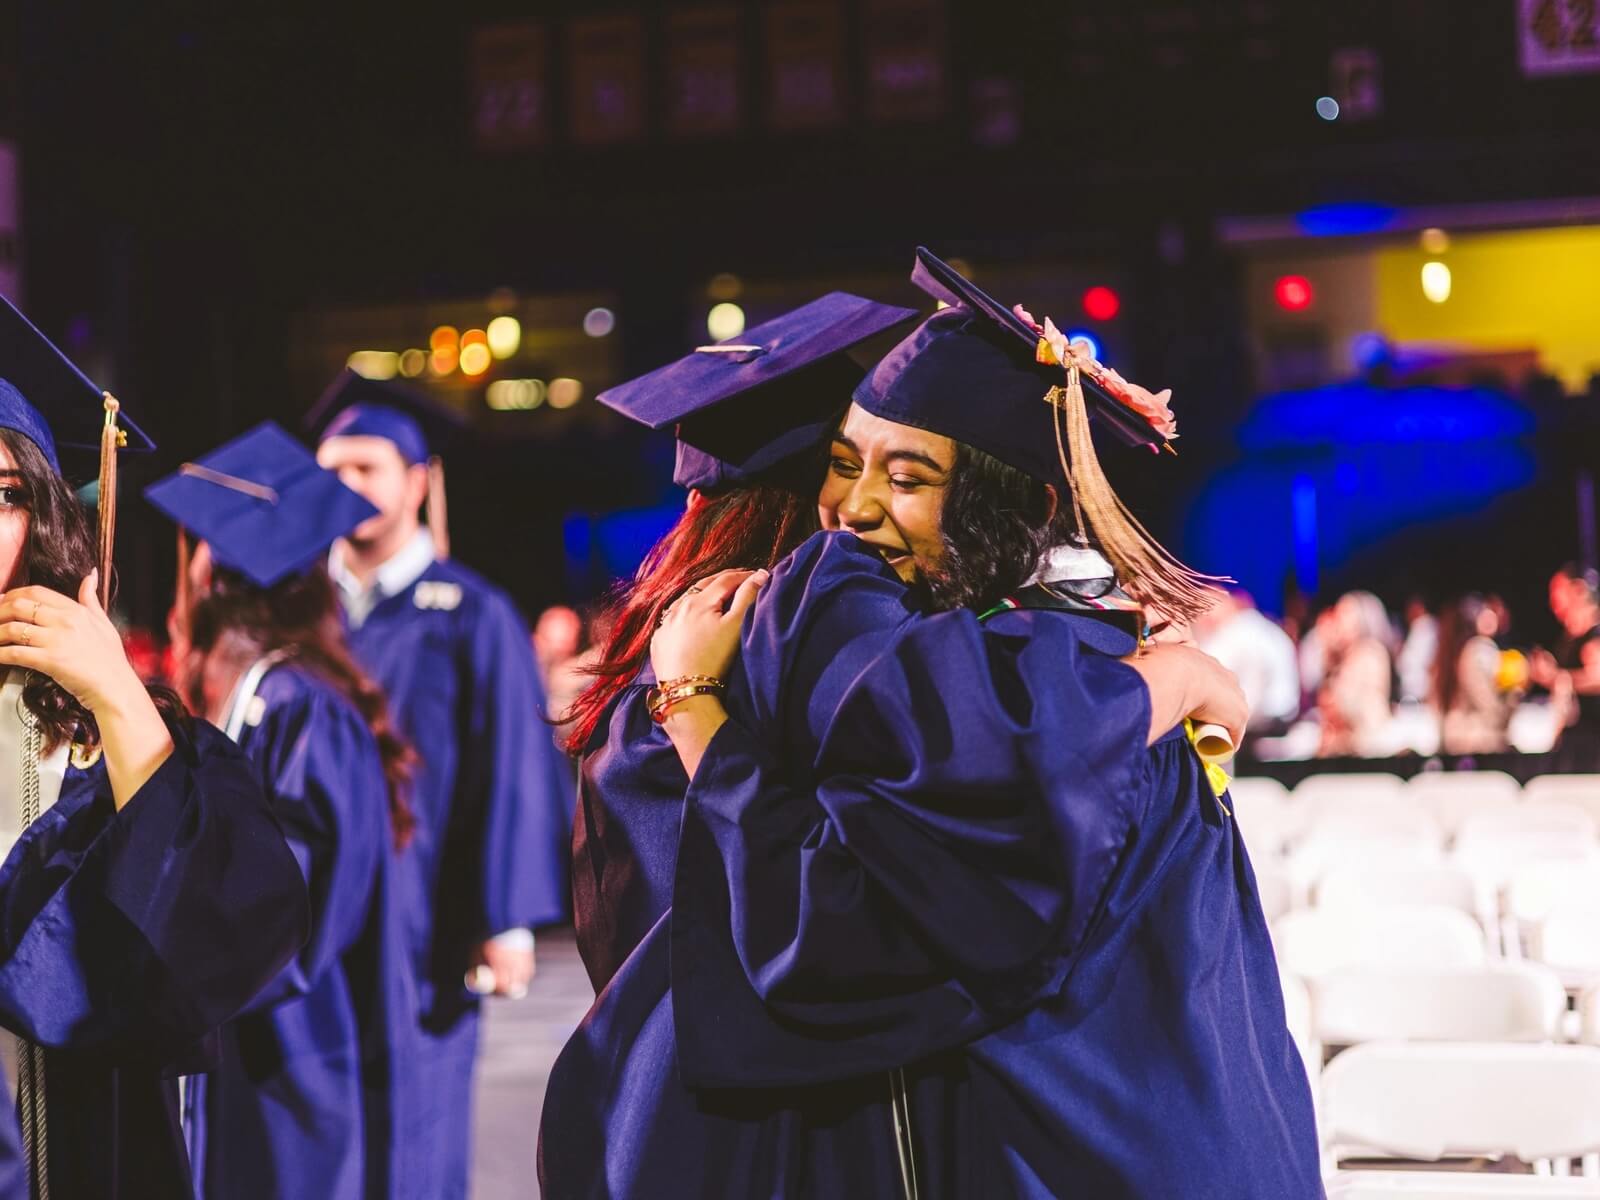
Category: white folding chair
[1454,1185]
[1311,942]
[1589,1017]
[1268,819]
[1529,819]
[1450,797]
[1331,792]
[1297,1016]
[1583,791]
[1277,891]
[1497,1002]
[1364,835]
[1568,940]
[1439,883]
[1535,888]
[1425,1101]
[1249,791]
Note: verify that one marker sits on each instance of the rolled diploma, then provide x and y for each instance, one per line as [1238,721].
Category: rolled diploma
[1212,744]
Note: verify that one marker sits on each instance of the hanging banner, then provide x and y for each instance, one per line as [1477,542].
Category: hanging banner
[703,71]
[607,98]
[1558,37]
[906,72]
[805,64]
[10,224]
[509,70]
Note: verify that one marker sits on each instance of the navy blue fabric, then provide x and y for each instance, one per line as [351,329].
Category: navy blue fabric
[265,537]
[45,397]
[491,796]
[301,1101]
[942,866]
[743,411]
[126,937]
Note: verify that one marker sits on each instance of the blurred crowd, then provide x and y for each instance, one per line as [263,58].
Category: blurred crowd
[1356,680]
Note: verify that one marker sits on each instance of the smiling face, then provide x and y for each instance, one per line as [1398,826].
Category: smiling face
[886,484]
[15,517]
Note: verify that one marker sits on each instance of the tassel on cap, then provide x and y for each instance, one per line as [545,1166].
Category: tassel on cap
[438,515]
[111,440]
[1144,566]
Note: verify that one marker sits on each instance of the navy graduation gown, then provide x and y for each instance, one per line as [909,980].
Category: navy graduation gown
[126,937]
[846,925]
[799,1104]
[300,1101]
[1163,1065]
[492,798]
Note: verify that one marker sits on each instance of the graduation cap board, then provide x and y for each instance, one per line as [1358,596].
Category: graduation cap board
[262,503]
[420,428]
[47,399]
[743,405]
[992,378]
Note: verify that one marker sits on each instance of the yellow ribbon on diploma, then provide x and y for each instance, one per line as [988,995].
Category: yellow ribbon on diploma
[1215,747]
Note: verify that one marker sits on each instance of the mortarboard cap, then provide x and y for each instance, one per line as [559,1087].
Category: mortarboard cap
[744,405]
[354,406]
[986,376]
[262,503]
[46,398]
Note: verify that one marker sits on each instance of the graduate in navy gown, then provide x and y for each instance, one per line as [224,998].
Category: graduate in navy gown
[889,906]
[147,893]
[301,1101]
[491,794]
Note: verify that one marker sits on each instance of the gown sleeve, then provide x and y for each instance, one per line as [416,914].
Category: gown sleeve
[321,771]
[527,820]
[142,929]
[933,870]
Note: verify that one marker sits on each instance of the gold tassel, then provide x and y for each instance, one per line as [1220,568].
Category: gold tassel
[111,439]
[1144,566]
[182,597]
[438,517]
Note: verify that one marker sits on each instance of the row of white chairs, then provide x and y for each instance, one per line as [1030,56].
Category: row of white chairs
[1454,1185]
[1279,817]
[1434,1101]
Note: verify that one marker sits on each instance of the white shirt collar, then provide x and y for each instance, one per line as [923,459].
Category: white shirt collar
[1066,563]
[403,568]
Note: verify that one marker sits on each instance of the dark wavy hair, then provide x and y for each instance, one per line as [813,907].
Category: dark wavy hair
[996,523]
[60,550]
[300,615]
[745,527]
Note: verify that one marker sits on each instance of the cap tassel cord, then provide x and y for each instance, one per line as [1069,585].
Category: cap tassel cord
[438,515]
[182,599]
[111,439]
[1145,566]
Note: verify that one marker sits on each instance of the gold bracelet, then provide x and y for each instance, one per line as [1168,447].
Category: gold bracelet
[666,685]
[660,702]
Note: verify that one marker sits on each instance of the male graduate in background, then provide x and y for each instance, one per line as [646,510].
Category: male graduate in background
[487,863]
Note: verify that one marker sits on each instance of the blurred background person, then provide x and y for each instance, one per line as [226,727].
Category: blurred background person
[1262,655]
[1355,697]
[1474,709]
[1572,670]
[1413,666]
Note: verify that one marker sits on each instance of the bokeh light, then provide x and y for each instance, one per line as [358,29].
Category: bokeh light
[505,336]
[598,322]
[725,321]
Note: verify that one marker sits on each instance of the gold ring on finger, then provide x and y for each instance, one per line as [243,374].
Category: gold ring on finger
[34,620]
[27,638]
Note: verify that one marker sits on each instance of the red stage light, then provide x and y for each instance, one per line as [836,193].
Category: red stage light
[1101,303]
[1293,292]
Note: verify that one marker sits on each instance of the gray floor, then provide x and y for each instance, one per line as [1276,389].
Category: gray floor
[521,1040]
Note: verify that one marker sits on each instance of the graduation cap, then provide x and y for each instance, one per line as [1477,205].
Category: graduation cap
[744,405]
[263,504]
[992,378]
[420,428]
[47,399]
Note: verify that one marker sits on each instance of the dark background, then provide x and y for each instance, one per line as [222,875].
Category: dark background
[196,177]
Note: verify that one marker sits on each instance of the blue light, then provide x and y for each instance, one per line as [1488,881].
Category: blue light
[1087,340]
[1327,108]
[1353,414]
[1368,350]
[1304,501]
[1344,220]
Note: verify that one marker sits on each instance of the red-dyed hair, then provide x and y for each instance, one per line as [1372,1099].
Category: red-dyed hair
[744,527]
